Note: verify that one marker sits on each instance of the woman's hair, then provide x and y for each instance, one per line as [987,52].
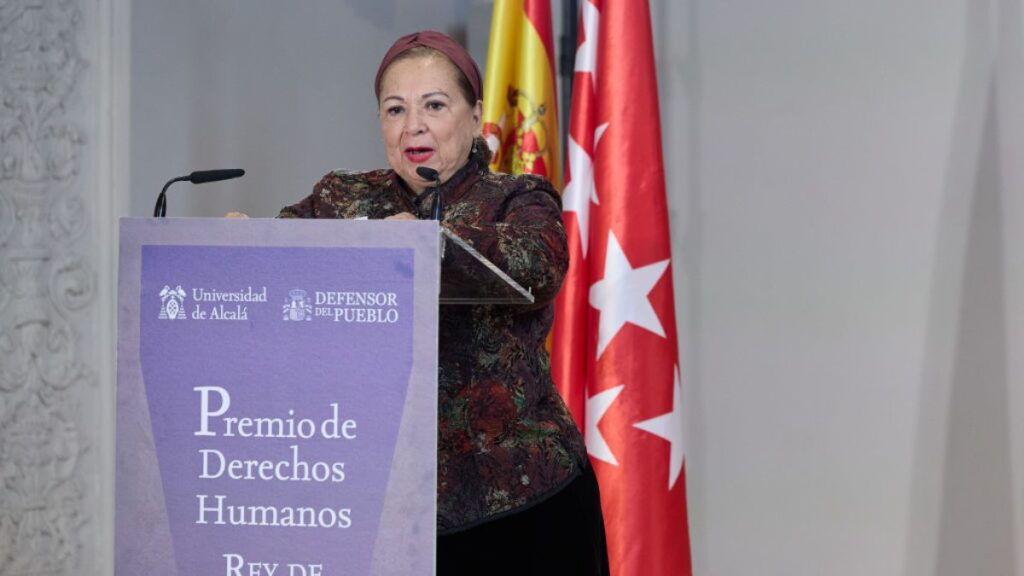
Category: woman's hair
[427,52]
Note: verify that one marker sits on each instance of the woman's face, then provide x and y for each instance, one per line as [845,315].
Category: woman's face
[425,119]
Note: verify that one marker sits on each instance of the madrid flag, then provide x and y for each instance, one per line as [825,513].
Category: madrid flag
[520,99]
[614,351]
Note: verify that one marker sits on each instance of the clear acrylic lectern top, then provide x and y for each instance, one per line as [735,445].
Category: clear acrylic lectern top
[474,279]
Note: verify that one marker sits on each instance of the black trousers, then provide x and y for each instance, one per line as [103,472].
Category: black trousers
[563,535]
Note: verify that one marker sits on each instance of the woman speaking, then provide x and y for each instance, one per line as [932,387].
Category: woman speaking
[515,492]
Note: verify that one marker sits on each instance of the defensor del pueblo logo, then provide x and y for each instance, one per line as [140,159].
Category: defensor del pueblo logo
[297,306]
[348,306]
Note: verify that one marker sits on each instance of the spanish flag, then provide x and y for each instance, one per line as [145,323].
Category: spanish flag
[520,99]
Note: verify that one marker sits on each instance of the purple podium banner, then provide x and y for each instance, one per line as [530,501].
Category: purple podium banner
[276,397]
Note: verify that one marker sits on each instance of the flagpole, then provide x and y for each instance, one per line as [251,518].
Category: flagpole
[566,65]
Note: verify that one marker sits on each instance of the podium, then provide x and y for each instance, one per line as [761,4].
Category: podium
[277,393]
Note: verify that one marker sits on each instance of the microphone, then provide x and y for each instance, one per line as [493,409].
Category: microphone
[197,177]
[204,176]
[431,174]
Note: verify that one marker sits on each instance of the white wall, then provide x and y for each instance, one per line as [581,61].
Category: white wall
[845,199]
[845,185]
[283,90]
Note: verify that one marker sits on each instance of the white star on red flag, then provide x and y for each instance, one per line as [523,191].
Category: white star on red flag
[621,295]
[580,191]
[586,53]
[669,426]
[597,405]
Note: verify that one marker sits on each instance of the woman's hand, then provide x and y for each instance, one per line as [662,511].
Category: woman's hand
[242,215]
[402,216]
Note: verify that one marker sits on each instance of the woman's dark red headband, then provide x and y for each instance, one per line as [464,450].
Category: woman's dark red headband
[443,44]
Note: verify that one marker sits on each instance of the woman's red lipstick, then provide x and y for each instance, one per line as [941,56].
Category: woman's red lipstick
[418,155]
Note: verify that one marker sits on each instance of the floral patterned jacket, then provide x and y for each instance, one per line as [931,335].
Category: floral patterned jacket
[505,438]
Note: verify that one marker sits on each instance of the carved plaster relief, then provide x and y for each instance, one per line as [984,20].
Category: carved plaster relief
[46,287]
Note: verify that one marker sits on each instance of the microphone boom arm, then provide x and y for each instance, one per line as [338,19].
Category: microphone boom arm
[160,210]
[197,177]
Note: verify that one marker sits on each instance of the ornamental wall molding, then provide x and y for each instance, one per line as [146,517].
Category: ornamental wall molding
[47,288]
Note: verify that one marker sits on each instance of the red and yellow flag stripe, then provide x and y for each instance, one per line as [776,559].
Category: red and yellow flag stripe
[520,119]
